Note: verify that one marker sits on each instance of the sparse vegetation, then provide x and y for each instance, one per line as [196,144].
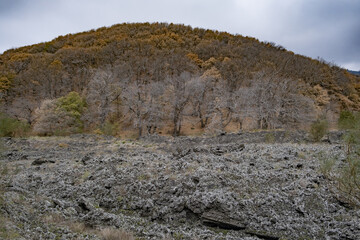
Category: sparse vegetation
[269,137]
[110,129]
[346,174]
[116,234]
[349,175]
[10,127]
[348,120]
[326,164]
[318,129]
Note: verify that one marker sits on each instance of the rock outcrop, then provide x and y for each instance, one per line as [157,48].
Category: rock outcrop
[184,188]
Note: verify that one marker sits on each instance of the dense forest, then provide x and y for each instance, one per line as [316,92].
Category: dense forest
[170,79]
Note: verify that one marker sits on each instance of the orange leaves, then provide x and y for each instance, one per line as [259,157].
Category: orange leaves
[195,58]
[212,74]
[20,57]
[5,84]
[56,64]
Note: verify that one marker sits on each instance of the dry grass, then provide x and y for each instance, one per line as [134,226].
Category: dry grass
[116,234]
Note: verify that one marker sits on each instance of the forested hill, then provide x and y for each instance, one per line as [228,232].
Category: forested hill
[153,76]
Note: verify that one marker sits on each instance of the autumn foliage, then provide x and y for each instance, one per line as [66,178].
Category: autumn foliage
[156,76]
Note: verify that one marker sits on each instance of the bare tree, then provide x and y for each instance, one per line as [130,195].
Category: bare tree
[178,96]
[155,106]
[277,102]
[102,94]
[134,97]
[202,93]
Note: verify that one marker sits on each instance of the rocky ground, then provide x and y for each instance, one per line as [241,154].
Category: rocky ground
[233,186]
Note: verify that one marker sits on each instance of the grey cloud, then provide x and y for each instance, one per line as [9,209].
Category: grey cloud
[8,6]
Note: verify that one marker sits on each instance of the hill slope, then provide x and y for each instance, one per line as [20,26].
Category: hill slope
[152,76]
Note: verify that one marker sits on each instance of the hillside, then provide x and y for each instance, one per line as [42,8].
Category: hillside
[169,78]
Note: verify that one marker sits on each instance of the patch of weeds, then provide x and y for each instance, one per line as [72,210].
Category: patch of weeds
[17,170]
[318,129]
[349,178]
[78,227]
[63,145]
[270,137]
[4,170]
[301,155]
[178,236]
[126,212]
[115,234]
[85,176]
[98,132]
[2,146]
[305,238]
[143,177]
[219,230]
[346,174]
[6,233]
[326,164]
[2,201]
[110,129]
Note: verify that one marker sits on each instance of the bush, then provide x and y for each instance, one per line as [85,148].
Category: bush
[10,127]
[318,129]
[73,104]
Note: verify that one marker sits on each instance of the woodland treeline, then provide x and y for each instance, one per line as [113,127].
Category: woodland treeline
[153,76]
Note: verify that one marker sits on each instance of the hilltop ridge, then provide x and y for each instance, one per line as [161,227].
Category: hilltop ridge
[158,61]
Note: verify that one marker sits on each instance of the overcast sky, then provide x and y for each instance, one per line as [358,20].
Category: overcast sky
[329,29]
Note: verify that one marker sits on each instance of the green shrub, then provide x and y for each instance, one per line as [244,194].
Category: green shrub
[318,129]
[73,104]
[10,127]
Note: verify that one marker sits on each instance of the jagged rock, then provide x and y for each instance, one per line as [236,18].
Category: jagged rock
[232,181]
[41,161]
[215,218]
[262,235]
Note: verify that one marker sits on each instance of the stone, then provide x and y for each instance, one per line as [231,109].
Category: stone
[218,219]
